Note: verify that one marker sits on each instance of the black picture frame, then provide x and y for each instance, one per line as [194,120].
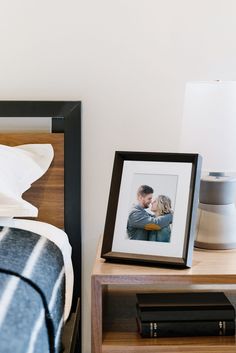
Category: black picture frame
[179,173]
[66,118]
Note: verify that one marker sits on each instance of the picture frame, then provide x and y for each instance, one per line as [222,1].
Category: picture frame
[152,209]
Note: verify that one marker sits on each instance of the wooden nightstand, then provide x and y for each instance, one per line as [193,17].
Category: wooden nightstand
[113,302]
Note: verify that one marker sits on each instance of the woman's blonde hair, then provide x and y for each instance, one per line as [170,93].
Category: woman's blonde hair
[163,204]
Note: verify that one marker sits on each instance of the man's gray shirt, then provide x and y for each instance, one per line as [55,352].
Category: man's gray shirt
[138,218]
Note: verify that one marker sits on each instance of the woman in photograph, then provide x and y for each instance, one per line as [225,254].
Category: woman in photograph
[161,206]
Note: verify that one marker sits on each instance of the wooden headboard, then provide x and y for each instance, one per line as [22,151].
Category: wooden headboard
[57,194]
[47,193]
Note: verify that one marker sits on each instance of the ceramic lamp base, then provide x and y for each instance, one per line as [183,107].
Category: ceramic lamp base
[216,226]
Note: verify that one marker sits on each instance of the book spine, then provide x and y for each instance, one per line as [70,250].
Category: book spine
[186,315]
[155,329]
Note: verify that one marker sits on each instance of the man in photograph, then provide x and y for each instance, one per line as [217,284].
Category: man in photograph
[140,221]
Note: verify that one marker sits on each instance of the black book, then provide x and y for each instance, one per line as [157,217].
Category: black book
[184,306]
[178,314]
[155,329]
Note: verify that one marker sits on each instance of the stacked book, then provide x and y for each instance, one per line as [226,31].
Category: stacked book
[185,314]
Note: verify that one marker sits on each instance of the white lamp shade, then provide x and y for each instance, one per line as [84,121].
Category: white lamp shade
[209,124]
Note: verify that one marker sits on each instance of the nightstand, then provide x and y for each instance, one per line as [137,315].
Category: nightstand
[114,286]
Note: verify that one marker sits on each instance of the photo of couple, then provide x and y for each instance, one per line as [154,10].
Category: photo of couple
[151,217]
[152,204]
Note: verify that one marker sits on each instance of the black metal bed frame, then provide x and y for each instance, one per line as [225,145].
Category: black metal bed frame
[66,117]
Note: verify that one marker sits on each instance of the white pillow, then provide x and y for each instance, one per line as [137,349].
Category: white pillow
[20,166]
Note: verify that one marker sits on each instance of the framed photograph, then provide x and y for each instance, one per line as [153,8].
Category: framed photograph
[151,214]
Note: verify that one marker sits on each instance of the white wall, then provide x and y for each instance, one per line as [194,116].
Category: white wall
[128,61]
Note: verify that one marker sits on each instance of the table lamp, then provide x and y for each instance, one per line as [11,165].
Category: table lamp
[209,128]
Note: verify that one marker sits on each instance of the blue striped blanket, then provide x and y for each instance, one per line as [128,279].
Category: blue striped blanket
[32,288]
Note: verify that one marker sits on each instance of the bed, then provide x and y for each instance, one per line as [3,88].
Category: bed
[55,233]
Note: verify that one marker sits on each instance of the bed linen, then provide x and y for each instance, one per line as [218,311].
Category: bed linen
[32,287]
[20,166]
[58,237]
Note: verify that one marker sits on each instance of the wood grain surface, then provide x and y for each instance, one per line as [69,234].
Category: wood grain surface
[47,193]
